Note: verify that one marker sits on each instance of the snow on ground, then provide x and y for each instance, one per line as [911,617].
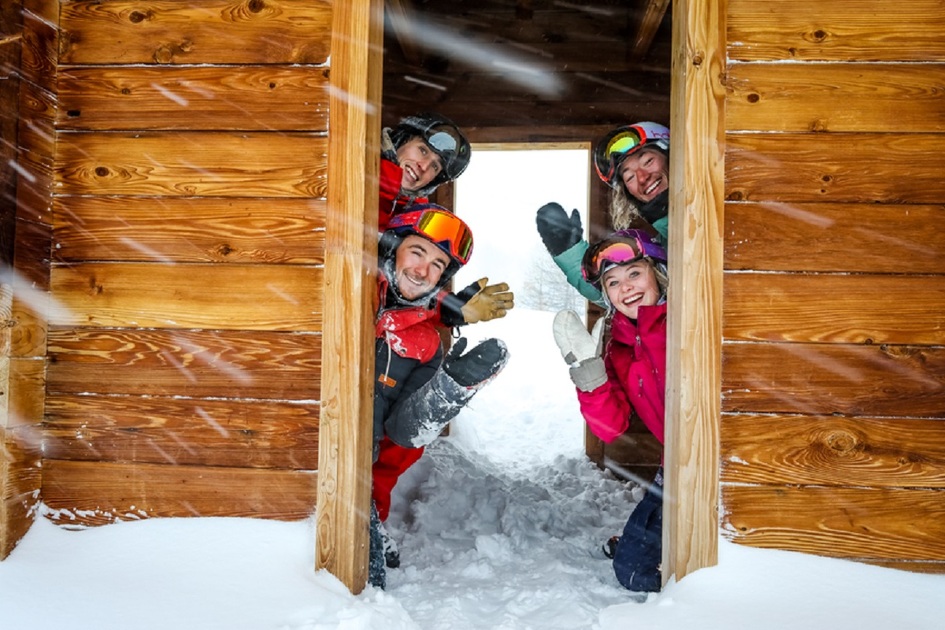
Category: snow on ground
[499,527]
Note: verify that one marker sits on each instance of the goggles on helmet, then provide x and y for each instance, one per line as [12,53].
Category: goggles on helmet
[619,249]
[440,226]
[623,142]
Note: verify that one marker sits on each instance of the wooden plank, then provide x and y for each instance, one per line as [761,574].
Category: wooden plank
[868,380]
[25,391]
[694,337]
[186,363]
[838,308]
[31,257]
[242,433]
[158,295]
[803,97]
[833,451]
[251,164]
[772,236]
[225,98]
[20,473]
[40,41]
[649,24]
[846,30]
[188,229]
[30,310]
[849,167]
[344,454]
[854,523]
[82,494]
[213,31]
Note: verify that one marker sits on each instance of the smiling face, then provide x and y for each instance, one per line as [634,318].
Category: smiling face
[420,163]
[631,286]
[418,266]
[645,174]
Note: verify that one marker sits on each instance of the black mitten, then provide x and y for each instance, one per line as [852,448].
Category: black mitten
[478,365]
[558,232]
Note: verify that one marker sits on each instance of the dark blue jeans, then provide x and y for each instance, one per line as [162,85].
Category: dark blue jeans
[640,549]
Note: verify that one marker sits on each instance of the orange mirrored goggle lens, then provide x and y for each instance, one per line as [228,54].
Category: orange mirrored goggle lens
[443,227]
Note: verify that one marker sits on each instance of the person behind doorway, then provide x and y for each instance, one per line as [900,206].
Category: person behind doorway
[624,375]
[419,154]
[417,391]
[634,161]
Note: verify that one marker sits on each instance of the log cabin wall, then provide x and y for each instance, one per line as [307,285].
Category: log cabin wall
[833,367]
[188,216]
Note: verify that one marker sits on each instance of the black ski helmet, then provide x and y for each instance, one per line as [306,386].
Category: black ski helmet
[443,137]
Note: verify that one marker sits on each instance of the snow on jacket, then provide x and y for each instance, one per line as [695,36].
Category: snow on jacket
[635,359]
[414,399]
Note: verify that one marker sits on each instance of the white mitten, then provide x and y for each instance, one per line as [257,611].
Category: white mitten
[576,344]
[581,350]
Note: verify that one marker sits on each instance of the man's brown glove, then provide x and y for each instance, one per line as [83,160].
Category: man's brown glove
[488,302]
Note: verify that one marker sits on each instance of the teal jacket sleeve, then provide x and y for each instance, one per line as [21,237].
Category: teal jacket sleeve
[569,261]
[662,226]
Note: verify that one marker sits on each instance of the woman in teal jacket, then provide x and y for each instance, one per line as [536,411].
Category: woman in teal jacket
[634,161]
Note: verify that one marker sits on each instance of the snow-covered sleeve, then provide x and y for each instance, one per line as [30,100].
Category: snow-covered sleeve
[419,418]
[569,261]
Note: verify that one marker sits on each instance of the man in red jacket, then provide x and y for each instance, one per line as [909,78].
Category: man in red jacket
[417,155]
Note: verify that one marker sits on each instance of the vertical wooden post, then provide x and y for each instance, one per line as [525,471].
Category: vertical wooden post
[345,433]
[690,519]
[24,281]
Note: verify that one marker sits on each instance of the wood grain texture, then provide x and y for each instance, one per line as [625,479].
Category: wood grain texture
[804,97]
[234,365]
[98,493]
[251,164]
[811,378]
[188,229]
[213,31]
[694,335]
[833,451]
[344,456]
[853,523]
[867,237]
[238,432]
[20,478]
[847,30]
[223,297]
[837,308]
[225,98]
[838,167]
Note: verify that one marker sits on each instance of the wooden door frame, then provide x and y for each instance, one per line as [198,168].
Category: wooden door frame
[690,530]
[693,379]
[347,378]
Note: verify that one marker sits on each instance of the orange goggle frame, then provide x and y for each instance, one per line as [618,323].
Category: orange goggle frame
[440,226]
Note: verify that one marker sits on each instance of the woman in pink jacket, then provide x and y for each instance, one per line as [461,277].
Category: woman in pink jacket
[625,375]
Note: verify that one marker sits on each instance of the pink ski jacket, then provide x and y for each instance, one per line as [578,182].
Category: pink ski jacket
[635,358]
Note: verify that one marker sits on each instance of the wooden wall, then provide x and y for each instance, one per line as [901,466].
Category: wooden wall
[187,259]
[27,88]
[833,368]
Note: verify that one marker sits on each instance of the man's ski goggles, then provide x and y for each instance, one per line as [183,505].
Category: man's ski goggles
[440,226]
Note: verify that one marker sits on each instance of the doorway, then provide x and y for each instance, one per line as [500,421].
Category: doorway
[498,195]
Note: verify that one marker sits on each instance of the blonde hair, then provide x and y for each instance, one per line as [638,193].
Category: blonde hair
[623,209]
